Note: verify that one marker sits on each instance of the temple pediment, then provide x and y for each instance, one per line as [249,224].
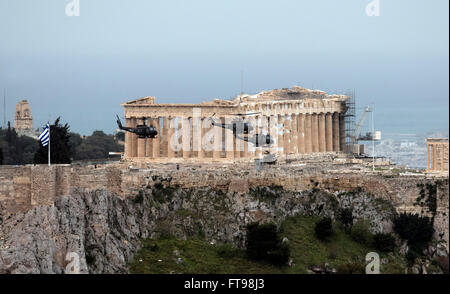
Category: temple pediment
[146,100]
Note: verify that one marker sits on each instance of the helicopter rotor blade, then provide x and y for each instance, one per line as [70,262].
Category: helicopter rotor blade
[245,114]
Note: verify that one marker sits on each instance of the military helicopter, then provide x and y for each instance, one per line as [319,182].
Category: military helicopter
[142,131]
[235,125]
[259,140]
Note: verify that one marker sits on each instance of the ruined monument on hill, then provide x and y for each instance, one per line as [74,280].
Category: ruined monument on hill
[300,121]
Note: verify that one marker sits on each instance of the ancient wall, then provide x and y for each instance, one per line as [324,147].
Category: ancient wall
[22,188]
[15,188]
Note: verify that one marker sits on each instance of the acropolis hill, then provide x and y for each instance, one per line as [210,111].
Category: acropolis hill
[207,182]
[103,211]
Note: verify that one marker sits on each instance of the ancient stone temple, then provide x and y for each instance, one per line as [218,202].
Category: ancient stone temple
[298,121]
[437,155]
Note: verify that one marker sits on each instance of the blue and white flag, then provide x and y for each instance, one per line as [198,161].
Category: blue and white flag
[45,136]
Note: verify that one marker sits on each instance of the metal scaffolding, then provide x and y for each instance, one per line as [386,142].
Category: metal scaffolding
[350,120]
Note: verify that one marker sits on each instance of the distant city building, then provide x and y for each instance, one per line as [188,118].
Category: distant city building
[23,121]
[437,155]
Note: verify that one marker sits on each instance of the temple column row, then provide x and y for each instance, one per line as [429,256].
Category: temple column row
[166,143]
[293,134]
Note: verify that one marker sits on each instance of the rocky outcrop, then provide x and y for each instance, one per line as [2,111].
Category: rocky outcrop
[105,230]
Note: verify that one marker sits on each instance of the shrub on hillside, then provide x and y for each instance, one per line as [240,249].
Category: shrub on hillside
[351,268]
[345,216]
[324,229]
[384,242]
[226,251]
[279,255]
[442,262]
[360,232]
[264,243]
[417,231]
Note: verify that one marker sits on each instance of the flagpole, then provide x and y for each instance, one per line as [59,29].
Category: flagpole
[49,136]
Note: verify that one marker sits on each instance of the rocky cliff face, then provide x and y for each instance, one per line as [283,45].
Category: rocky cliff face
[105,230]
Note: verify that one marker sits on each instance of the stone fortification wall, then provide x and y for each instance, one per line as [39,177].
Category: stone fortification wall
[23,188]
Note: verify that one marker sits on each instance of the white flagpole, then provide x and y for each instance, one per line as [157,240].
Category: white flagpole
[49,143]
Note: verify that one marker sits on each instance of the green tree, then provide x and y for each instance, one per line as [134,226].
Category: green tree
[60,147]
[361,233]
[96,146]
[16,149]
[384,242]
[75,140]
[417,231]
[264,243]
[120,136]
[345,216]
[324,229]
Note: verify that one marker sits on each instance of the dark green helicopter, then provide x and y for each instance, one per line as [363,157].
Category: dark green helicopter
[237,126]
[259,140]
[142,131]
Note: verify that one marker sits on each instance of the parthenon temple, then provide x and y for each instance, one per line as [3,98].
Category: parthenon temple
[298,120]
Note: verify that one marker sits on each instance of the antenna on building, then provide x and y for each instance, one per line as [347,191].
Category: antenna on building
[242,82]
[4,108]
[373,141]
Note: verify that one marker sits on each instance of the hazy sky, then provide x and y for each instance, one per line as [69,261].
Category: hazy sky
[189,51]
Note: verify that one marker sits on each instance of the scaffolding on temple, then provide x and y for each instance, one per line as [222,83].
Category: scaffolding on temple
[349,118]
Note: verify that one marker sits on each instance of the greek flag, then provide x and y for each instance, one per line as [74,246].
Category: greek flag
[45,136]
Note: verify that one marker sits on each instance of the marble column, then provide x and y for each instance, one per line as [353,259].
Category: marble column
[197,135]
[217,151]
[308,134]
[315,132]
[149,142]
[237,147]
[322,137]
[186,137]
[140,144]
[157,140]
[229,140]
[301,133]
[294,132]
[336,145]
[273,133]
[287,134]
[329,132]
[280,131]
[128,140]
[133,139]
[249,147]
[342,133]
[169,125]
[433,148]
[258,150]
